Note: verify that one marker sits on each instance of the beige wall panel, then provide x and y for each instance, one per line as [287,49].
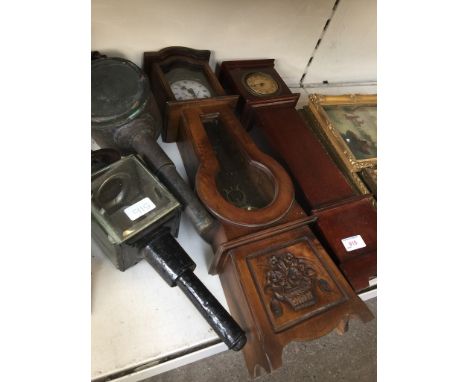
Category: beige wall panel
[285,30]
[348,51]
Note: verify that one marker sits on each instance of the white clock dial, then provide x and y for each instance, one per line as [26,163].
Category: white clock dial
[189,89]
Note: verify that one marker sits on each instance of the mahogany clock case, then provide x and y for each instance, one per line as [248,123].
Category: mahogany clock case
[282,286]
[238,183]
[233,73]
[310,165]
[342,212]
[354,216]
[279,282]
[161,64]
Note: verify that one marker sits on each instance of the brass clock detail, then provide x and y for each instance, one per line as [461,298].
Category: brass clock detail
[260,83]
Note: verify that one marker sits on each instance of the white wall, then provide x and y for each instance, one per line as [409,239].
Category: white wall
[286,30]
[348,51]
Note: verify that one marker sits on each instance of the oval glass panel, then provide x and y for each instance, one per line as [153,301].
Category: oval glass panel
[242,182]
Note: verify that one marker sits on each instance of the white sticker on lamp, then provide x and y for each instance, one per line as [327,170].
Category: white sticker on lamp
[352,243]
[139,208]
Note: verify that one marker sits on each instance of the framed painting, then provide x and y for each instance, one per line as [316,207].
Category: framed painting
[348,123]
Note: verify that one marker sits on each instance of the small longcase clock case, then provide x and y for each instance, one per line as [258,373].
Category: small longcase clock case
[341,211]
[279,282]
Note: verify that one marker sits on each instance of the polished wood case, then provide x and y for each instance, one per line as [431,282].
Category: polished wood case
[279,281]
[234,73]
[156,64]
[342,212]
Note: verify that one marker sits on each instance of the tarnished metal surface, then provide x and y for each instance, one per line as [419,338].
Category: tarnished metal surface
[125,117]
[127,237]
[119,92]
[168,258]
[102,158]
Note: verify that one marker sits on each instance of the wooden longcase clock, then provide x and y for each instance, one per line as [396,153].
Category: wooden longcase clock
[279,282]
[347,221]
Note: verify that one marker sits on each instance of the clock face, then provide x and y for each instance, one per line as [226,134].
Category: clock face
[189,89]
[261,83]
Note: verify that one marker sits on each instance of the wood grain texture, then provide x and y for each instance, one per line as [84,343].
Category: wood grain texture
[156,64]
[258,252]
[328,193]
[205,179]
[245,273]
[321,181]
[280,283]
[233,73]
[356,216]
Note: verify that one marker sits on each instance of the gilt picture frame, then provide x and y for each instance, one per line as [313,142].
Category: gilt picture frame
[369,176]
[349,125]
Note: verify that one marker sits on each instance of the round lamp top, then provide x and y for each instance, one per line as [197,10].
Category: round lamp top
[119,91]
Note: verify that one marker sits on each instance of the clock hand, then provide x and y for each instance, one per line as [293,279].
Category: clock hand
[192,92]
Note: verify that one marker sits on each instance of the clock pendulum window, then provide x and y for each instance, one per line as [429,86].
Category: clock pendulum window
[279,282]
[346,220]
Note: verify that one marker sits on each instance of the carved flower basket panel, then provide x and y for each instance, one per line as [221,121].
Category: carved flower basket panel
[293,284]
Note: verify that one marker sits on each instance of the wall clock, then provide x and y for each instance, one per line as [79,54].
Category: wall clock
[181,77]
[279,282]
[342,212]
